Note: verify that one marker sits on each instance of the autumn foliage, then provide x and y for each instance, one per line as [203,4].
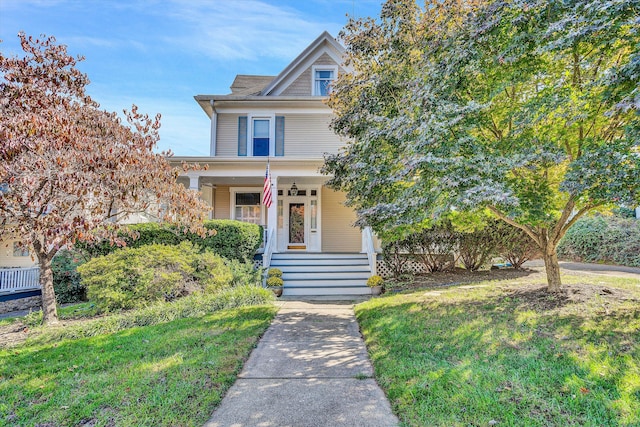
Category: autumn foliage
[68,168]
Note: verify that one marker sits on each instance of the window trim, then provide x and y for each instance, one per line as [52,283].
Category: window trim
[272,132]
[232,201]
[315,68]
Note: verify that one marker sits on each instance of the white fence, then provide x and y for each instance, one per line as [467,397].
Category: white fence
[18,279]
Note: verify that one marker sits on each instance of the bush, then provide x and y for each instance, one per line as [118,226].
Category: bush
[478,246]
[66,280]
[243,273]
[274,281]
[232,240]
[435,247]
[514,245]
[598,238]
[375,281]
[395,257]
[274,272]
[136,277]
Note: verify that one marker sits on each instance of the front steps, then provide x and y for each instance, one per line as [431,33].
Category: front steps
[323,273]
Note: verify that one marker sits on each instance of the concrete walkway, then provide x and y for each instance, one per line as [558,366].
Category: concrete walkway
[309,369]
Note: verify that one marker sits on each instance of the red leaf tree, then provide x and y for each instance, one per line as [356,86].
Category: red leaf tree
[70,170]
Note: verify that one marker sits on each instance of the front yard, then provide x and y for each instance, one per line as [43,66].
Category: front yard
[170,374]
[506,353]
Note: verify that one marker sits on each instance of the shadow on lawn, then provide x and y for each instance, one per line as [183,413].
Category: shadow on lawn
[522,357]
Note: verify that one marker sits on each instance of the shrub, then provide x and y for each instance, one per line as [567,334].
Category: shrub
[66,280]
[244,273]
[375,281]
[476,247]
[136,277]
[603,239]
[232,240]
[514,245]
[274,281]
[274,272]
[435,247]
[394,257]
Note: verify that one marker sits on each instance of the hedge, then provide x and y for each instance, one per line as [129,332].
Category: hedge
[603,239]
[232,240]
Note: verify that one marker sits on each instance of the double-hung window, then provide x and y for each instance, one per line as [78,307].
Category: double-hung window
[260,138]
[247,207]
[261,135]
[322,79]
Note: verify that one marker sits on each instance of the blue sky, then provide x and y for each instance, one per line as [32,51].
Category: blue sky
[159,54]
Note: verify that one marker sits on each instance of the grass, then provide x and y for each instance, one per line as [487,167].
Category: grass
[508,354]
[170,374]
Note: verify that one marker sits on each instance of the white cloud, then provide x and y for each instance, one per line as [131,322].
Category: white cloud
[247,29]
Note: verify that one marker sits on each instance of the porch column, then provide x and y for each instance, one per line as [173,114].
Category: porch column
[272,212]
[194,182]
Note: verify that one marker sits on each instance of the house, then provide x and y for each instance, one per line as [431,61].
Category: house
[283,121]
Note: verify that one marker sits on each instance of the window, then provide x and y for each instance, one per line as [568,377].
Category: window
[261,136]
[322,79]
[248,208]
[19,251]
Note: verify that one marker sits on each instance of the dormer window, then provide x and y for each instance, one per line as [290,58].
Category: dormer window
[322,79]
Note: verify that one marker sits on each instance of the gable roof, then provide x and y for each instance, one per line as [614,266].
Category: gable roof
[245,84]
[325,43]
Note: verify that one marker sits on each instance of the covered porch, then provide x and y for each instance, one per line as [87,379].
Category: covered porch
[305,216]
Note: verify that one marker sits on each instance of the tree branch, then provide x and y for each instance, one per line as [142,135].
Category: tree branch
[509,221]
[566,213]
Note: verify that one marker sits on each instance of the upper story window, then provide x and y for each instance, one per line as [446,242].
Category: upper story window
[322,79]
[261,135]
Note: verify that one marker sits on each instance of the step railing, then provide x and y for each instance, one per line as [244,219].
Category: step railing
[369,248]
[18,279]
[269,247]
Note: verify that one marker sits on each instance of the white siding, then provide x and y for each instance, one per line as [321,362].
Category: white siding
[305,135]
[227,135]
[309,136]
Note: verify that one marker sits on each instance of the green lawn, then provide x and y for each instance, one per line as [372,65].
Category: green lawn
[171,374]
[504,353]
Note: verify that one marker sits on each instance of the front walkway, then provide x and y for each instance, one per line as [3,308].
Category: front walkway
[309,369]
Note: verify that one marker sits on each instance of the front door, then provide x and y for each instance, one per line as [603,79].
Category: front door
[297,228]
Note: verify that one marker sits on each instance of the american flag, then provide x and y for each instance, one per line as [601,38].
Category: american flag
[267,195]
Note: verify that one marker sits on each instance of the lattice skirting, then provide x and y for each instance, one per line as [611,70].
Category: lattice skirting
[410,267]
[257,263]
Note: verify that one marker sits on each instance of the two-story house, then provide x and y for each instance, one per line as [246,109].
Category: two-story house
[284,121]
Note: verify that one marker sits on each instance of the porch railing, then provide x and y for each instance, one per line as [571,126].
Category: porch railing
[369,248]
[17,279]
[269,247]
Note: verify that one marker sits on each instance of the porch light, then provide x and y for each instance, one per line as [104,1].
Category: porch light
[294,190]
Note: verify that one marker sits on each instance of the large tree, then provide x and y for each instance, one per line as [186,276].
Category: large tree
[70,170]
[526,108]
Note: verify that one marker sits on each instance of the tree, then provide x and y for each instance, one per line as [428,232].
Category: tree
[71,170]
[526,108]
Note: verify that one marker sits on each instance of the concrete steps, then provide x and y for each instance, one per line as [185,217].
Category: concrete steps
[323,273]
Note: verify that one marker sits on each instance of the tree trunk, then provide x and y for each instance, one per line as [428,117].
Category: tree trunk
[49,304]
[553,269]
